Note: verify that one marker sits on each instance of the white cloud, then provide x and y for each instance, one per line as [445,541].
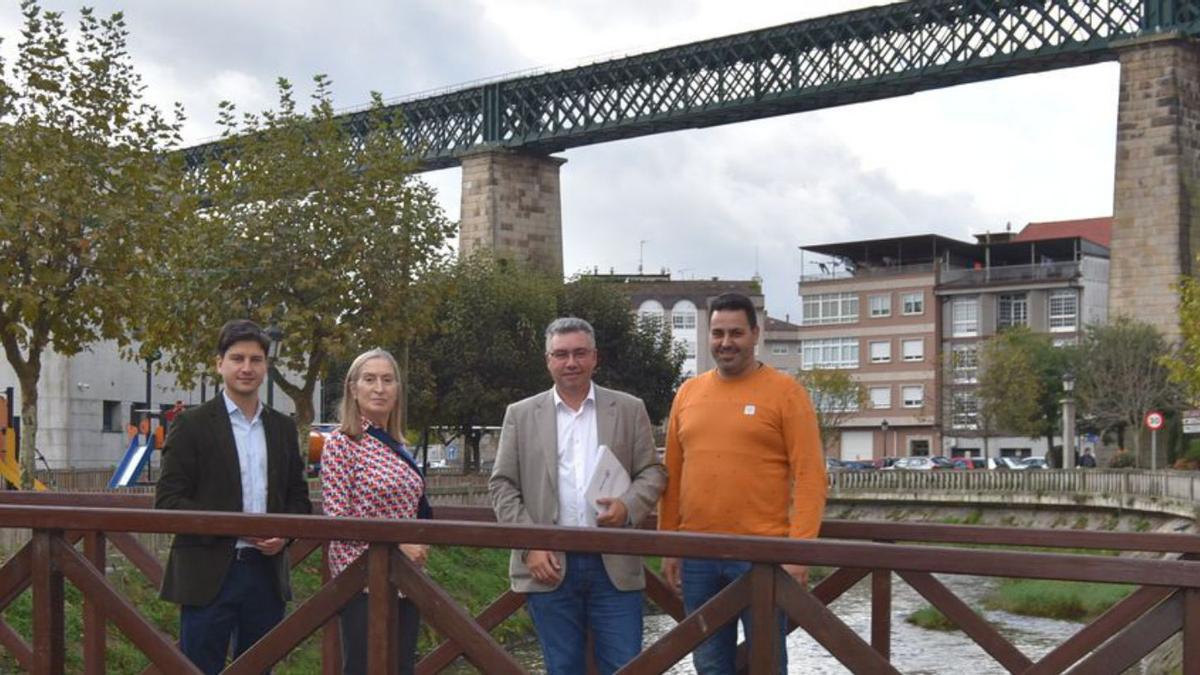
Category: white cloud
[952,161]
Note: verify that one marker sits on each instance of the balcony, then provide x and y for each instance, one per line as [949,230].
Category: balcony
[1056,271]
[865,271]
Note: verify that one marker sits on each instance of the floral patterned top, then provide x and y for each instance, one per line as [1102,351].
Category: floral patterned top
[364,479]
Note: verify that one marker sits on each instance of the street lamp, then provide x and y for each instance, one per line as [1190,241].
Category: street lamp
[883,427]
[1068,421]
[275,333]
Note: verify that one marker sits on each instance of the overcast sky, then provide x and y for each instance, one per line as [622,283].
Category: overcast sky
[713,202]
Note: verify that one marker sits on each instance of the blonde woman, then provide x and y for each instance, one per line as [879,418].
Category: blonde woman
[367,472]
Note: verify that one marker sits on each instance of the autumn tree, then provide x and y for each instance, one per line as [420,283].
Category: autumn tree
[1184,363]
[307,227]
[836,396]
[1020,382]
[84,195]
[1126,376]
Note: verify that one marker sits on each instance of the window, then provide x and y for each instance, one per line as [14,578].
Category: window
[689,347]
[846,402]
[913,395]
[913,350]
[651,310]
[881,397]
[881,352]
[112,416]
[914,303]
[964,410]
[825,308]
[779,349]
[1012,310]
[683,316]
[881,305]
[137,412]
[964,313]
[1064,311]
[964,362]
[830,353]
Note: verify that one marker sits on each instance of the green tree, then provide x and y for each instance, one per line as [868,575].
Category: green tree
[1020,382]
[1184,363]
[484,349]
[307,228]
[1126,376]
[84,195]
[487,346]
[836,396]
[639,357]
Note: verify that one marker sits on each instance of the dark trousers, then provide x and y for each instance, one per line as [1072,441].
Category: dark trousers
[353,622]
[247,606]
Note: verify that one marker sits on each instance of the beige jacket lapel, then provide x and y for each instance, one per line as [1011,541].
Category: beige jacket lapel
[545,425]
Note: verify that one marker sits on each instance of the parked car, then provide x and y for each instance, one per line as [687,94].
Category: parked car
[317,434]
[941,462]
[1007,464]
[832,464]
[1035,463]
[969,463]
[858,465]
[915,464]
[884,462]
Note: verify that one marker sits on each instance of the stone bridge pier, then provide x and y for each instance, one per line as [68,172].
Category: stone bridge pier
[512,205]
[1156,200]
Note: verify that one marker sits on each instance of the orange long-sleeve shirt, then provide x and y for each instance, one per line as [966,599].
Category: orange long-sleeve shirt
[744,457]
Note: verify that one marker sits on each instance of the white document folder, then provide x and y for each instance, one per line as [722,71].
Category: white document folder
[609,479]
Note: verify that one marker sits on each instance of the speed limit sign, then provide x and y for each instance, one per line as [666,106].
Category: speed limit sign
[1154,420]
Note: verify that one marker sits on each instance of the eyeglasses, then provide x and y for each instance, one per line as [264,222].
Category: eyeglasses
[577,354]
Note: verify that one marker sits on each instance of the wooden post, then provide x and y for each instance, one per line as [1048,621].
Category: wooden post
[881,612]
[381,611]
[95,628]
[1191,630]
[48,637]
[764,620]
[331,642]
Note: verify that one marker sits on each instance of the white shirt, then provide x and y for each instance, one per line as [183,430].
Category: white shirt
[251,442]
[578,453]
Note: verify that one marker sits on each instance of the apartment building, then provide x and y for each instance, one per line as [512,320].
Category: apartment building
[1040,279]
[871,310]
[782,345]
[907,315]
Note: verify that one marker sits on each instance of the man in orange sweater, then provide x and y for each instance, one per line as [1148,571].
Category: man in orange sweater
[743,457]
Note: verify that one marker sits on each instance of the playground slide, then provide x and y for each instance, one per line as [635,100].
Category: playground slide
[9,469]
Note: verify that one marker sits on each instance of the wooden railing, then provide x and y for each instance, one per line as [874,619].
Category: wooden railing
[1167,602]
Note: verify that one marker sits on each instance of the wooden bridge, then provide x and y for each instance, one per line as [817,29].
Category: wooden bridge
[1166,602]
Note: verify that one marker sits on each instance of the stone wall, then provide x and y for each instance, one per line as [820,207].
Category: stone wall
[1156,227]
[511,204]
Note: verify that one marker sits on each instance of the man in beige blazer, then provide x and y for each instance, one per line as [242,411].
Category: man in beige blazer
[549,447]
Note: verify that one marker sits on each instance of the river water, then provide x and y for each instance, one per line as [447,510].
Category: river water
[914,649]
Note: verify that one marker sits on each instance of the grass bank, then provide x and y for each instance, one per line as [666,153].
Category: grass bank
[474,577]
[1064,600]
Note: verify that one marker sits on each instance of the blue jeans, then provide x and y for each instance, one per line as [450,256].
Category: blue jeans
[247,606]
[703,579]
[585,599]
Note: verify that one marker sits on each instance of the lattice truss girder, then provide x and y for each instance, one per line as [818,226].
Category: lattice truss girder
[856,56]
